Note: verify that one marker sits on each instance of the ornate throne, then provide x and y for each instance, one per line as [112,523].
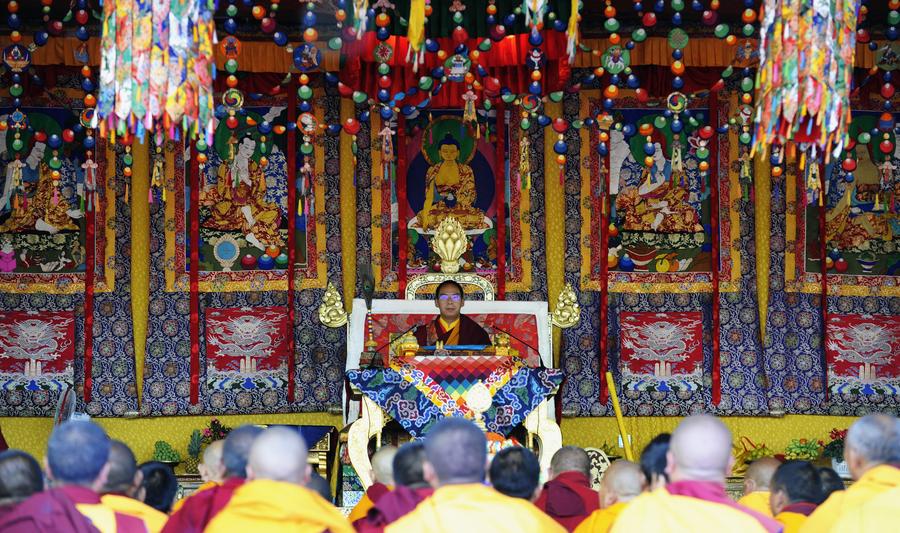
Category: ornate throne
[367,419]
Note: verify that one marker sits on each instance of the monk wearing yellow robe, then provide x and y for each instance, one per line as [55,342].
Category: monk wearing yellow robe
[620,484]
[872,451]
[796,491]
[698,461]
[211,470]
[756,485]
[881,513]
[456,459]
[238,202]
[383,477]
[122,483]
[275,499]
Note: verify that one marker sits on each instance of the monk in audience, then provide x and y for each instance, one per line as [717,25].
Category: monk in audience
[76,465]
[201,507]
[383,481]
[20,477]
[831,481]
[456,457]
[622,482]
[211,470]
[568,497]
[275,497]
[158,486]
[653,462]
[698,461]
[872,452]
[516,472]
[122,485]
[756,484]
[881,513]
[409,490]
[320,486]
[796,490]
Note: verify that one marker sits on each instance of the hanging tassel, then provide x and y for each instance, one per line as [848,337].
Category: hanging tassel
[524,163]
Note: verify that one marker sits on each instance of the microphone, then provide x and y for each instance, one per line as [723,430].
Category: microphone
[538,352]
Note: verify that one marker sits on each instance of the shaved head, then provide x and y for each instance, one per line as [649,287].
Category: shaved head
[122,469]
[212,469]
[456,453]
[759,474]
[237,448]
[279,454]
[20,477]
[871,441]
[622,482]
[700,450]
[408,465]
[383,464]
[570,459]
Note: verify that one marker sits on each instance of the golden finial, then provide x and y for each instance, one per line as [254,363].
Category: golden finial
[567,312]
[331,311]
[450,243]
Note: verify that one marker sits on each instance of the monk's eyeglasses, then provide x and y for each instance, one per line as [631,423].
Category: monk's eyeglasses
[453,297]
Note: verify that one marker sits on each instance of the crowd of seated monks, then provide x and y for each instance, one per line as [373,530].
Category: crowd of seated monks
[259,480]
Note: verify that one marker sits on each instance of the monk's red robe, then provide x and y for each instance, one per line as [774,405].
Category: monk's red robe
[714,492]
[201,507]
[72,509]
[372,495]
[569,499]
[465,331]
[390,507]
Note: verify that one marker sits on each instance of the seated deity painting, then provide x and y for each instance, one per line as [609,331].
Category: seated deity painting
[42,195]
[862,222]
[660,211]
[451,173]
[243,198]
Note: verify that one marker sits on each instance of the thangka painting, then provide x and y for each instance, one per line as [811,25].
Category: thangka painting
[863,353]
[659,231]
[37,350]
[661,352]
[862,215]
[244,211]
[451,171]
[44,204]
[246,349]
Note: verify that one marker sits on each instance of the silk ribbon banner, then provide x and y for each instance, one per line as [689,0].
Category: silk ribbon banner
[247,348]
[37,350]
[863,354]
[406,404]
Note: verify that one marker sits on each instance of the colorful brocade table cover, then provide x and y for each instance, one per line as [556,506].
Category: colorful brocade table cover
[419,391]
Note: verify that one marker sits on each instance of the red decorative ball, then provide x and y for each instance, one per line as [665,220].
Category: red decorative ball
[886,146]
[81,17]
[460,35]
[649,19]
[268,25]
[40,136]
[849,164]
[384,82]
[344,90]
[68,135]
[887,90]
[841,265]
[706,132]
[231,122]
[560,125]
[248,262]
[862,36]
[642,95]
[55,27]
[351,126]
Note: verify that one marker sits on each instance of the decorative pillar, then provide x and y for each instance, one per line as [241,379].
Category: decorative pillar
[140,256]
[348,208]
[554,222]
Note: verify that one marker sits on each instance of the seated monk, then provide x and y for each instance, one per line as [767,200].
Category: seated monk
[621,483]
[76,463]
[653,462]
[872,452]
[456,457]
[699,460]
[275,497]
[516,472]
[383,482]
[756,485]
[796,491]
[199,508]
[21,476]
[451,327]
[122,485]
[211,470]
[409,490]
[568,497]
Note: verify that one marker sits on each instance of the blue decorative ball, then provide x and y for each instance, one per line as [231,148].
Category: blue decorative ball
[364,117]
[677,82]
[535,38]
[305,106]
[535,88]
[264,262]
[509,20]
[309,19]
[602,149]
[265,127]
[626,263]
[677,53]
[280,38]
[13,21]
[560,147]
[632,81]
[676,19]
[559,25]
[82,34]
[432,46]
[614,79]
[891,33]
[89,143]
[649,149]
[628,130]
[386,113]
[87,85]
[383,95]
[54,141]
[629,45]
[543,121]
[608,103]
[230,26]
[41,37]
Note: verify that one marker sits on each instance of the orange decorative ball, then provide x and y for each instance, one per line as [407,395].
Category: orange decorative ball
[599,71]
[263,161]
[746,98]
[604,136]
[13,6]
[273,251]
[304,79]
[127,171]
[613,230]
[777,171]
[748,16]
[560,159]
[677,68]
[428,10]
[536,75]
[86,71]
[15,36]
[382,20]
[258,12]
[310,35]
[89,100]
[703,166]
[731,40]
[609,12]
[491,9]
[340,15]
[474,55]
[442,55]
[231,81]
[614,38]
[646,130]
[648,161]
[611,91]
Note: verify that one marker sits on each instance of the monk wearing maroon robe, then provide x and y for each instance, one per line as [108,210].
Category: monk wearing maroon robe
[568,497]
[201,507]
[411,488]
[451,327]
